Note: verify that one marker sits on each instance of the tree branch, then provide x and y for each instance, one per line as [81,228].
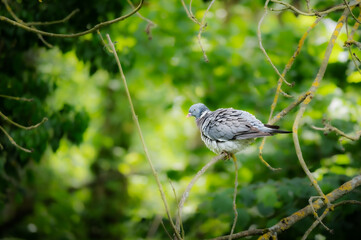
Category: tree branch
[308,99]
[135,119]
[329,128]
[191,184]
[71,35]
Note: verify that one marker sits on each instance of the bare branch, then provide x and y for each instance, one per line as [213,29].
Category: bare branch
[191,184]
[55,21]
[202,24]
[316,13]
[21,126]
[71,35]
[247,233]
[150,25]
[319,219]
[289,221]
[329,128]
[135,119]
[16,98]
[13,141]
[348,7]
[308,99]
[261,45]
[315,223]
[234,196]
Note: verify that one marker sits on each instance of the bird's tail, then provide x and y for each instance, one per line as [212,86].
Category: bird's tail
[275,129]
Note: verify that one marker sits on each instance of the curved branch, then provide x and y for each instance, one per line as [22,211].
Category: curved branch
[21,126]
[71,35]
[190,185]
[308,99]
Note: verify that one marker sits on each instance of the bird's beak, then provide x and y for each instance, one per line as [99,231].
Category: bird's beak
[188,115]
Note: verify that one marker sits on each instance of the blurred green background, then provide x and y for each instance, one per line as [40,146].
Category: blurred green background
[88,177]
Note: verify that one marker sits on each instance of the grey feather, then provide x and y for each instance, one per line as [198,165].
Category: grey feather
[228,129]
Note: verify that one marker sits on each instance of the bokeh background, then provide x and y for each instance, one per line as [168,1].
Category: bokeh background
[88,177]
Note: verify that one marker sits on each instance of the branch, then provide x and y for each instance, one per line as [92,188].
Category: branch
[16,98]
[202,24]
[279,85]
[339,192]
[261,45]
[13,141]
[55,21]
[247,233]
[21,126]
[192,182]
[150,25]
[316,13]
[234,197]
[308,99]
[71,35]
[135,119]
[329,128]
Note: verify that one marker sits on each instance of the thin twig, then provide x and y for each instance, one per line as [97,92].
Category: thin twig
[191,184]
[165,229]
[348,44]
[247,233]
[189,12]
[234,196]
[290,107]
[259,35]
[17,98]
[319,219]
[279,85]
[329,128]
[21,126]
[135,118]
[346,202]
[150,25]
[55,21]
[10,11]
[178,215]
[315,223]
[348,6]
[203,25]
[13,141]
[316,13]
[71,35]
[106,46]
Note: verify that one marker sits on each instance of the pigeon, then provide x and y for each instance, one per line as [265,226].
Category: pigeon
[227,130]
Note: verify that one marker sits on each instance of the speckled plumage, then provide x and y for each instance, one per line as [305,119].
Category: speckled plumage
[229,130]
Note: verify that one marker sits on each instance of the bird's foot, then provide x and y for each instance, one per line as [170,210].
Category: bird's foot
[229,156]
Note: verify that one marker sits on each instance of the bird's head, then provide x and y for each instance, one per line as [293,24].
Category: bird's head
[196,110]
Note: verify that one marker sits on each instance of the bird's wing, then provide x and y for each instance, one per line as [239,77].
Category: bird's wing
[227,124]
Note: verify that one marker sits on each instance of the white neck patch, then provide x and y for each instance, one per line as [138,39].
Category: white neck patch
[204,113]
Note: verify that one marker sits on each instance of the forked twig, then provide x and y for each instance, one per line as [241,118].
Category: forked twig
[329,128]
[71,35]
[21,126]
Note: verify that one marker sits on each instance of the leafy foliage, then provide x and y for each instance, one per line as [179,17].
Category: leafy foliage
[87,177]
